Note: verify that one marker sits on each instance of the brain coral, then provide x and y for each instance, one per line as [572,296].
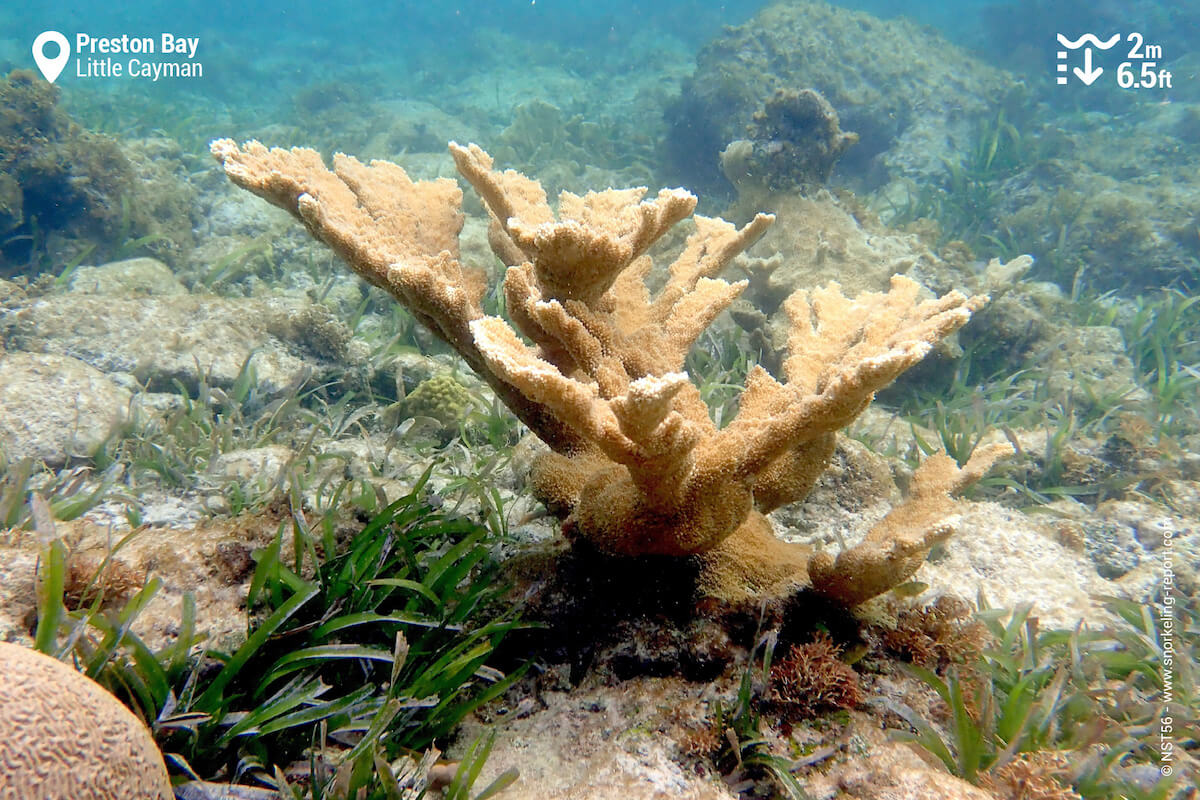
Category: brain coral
[63,737]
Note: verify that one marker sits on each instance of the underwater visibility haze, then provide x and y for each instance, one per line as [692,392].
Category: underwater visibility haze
[571,400]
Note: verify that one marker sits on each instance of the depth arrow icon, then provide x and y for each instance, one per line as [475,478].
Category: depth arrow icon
[1087,74]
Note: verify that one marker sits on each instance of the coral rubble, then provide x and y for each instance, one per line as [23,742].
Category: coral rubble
[637,465]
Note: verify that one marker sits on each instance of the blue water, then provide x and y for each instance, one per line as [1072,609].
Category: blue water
[276,46]
[279,45]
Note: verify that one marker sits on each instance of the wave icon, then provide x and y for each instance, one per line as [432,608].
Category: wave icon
[1091,39]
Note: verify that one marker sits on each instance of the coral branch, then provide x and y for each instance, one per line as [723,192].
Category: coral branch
[398,234]
[895,548]
[596,236]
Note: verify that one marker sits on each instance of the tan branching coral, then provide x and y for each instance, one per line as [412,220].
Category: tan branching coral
[638,465]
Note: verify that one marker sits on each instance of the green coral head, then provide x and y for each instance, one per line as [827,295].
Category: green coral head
[440,397]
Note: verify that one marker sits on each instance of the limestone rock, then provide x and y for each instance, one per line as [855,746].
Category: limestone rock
[209,559]
[161,339]
[256,462]
[54,407]
[910,783]
[912,97]
[601,744]
[133,276]
[1092,356]
[873,766]
[1013,560]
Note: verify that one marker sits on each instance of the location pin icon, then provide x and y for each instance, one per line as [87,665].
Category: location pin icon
[51,67]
